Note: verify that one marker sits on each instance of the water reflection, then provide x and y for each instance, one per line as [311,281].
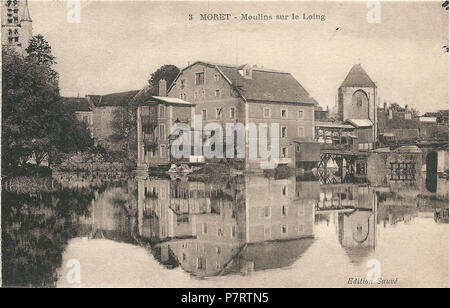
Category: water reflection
[207,227]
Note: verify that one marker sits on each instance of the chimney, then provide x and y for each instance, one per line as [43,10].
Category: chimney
[162,88]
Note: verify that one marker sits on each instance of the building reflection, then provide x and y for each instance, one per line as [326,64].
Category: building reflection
[241,224]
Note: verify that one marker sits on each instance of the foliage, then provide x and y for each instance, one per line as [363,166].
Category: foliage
[36,229]
[168,72]
[35,122]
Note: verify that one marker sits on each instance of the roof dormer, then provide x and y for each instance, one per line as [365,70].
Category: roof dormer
[246,71]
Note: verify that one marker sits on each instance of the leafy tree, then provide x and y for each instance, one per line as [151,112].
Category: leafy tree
[35,122]
[168,72]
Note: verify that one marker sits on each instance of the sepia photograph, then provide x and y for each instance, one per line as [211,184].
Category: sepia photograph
[214,145]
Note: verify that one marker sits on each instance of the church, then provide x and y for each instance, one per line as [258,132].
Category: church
[16,25]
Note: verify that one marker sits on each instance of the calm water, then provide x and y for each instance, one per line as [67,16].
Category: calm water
[243,231]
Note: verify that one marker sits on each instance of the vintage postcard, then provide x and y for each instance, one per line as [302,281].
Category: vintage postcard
[225,144]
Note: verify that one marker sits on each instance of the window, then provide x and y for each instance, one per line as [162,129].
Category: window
[203,93]
[403,171]
[204,114]
[200,78]
[205,228]
[300,228]
[162,150]
[301,131]
[267,211]
[182,83]
[219,232]
[266,112]
[195,94]
[162,131]
[216,77]
[184,256]
[284,229]
[284,113]
[218,250]
[232,112]
[300,114]
[86,119]
[161,111]
[201,263]
[233,231]
[219,113]
[217,93]
[284,210]
[283,132]
[284,190]
[284,152]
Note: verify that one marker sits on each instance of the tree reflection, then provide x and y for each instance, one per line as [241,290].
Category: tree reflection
[36,229]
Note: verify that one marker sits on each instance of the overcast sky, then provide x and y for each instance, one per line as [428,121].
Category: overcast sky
[118,44]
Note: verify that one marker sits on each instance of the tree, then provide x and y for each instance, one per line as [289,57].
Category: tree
[168,72]
[35,122]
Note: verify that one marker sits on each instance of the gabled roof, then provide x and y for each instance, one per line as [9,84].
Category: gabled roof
[113,100]
[173,100]
[77,103]
[360,122]
[265,84]
[357,77]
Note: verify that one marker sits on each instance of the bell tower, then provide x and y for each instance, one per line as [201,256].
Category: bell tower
[357,97]
[16,25]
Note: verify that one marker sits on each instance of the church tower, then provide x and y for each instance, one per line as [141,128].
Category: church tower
[357,98]
[16,24]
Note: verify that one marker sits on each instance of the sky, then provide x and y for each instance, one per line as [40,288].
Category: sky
[117,44]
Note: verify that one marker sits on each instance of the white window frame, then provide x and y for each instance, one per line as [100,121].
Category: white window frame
[281,113]
[287,152]
[218,117]
[163,131]
[264,113]
[298,131]
[217,93]
[204,79]
[285,227]
[285,207]
[303,114]
[286,131]
[162,151]
[234,112]
[270,211]
[206,114]
[285,189]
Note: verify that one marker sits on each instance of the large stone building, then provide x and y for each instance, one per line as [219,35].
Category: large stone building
[16,25]
[248,94]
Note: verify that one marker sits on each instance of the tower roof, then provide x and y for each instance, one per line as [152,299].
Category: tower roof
[357,77]
[26,13]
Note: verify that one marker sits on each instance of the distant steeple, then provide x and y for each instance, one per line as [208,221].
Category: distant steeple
[357,77]
[26,13]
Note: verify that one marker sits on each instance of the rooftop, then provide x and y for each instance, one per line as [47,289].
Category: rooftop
[265,84]
[77,103]
[114,99]
[357,77]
